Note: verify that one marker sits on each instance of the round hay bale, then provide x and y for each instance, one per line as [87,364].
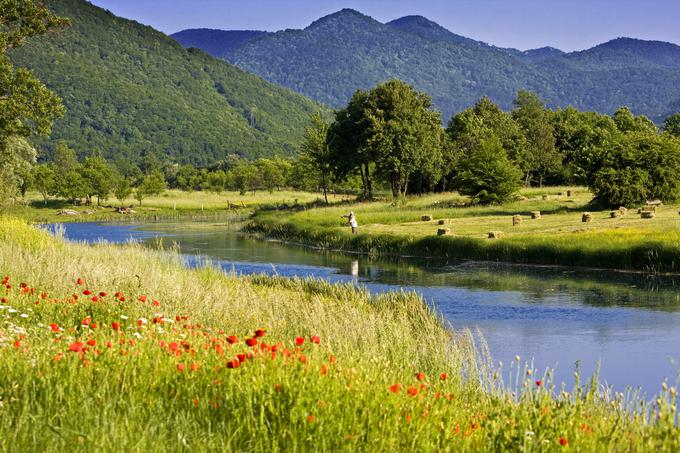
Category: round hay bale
[496,234]
[623,210]
[569,193]
[443,231]
[615,214]
[647,214]
[426,218]
[544,197]
[586,217]
[516,220]
[535,214]
[443,221]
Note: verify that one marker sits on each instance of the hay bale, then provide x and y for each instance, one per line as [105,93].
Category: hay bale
[544,197]
[443,231]
[516,220]
[586,217]
[535,214]
[647,214]
[615,214]
[496,234]
[443,221]
[656,202]
[569,193]
[68,212]
[623,210]
[648,208]
[426,218]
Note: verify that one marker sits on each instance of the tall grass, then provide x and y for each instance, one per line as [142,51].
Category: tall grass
[341,370]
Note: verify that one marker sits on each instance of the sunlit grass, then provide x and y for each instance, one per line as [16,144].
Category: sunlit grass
[121,348]
[558,237]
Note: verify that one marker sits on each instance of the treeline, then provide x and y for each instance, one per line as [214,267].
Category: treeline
[391,137]
[93,179]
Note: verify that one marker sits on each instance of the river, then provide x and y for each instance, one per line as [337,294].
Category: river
[627,323]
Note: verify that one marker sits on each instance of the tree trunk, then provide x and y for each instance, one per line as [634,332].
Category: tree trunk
[369,186]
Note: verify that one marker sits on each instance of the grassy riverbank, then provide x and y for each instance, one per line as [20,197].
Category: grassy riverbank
[558,237]
[171,204]
[121,348]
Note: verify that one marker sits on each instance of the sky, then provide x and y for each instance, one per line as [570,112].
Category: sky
[523,24]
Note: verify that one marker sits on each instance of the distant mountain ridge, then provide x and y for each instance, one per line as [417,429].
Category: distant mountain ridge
[347,50]
[216,42]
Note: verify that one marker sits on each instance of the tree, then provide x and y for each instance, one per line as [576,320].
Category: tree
[26,105]
[316,152]
[153,184]
[273,172]
[72,186]
[627,122]
[122,189]
[244,177]
[672,125]
[216,181]
[638,167]
[186,177]
[17,157]
[488,175]
[391,129]
[44,180]
[535,121]
[99,176]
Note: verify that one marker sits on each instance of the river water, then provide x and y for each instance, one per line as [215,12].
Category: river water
[627,323]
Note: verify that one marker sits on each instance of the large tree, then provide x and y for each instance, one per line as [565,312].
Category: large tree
[26,105]
[392,129]
[535,120]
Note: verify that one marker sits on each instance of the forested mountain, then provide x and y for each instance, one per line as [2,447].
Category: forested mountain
[339,53]
[130,91]
[215,42]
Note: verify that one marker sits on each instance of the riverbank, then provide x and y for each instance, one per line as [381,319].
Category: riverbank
[558,237]
[118,345]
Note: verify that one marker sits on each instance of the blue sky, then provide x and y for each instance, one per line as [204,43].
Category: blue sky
[523,24]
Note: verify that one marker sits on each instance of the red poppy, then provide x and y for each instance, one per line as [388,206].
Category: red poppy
[395,388]
[251,341]
[259,333]
[142,298]
[311,418]
[195,366]
[76,347]
[241,357]
[102,294]
[55,327]
[95,299]
[173,346]
[86,322]
[233,364]
[232,339]
[563,441]
[93,325]
[413,391]
[420,376]
[315,339]
[155,303]
[87,292]
[108,344]
[80,281]
[180,367]
[115,325]
[299,341]
[91,342]
[539,383]
[444,376]
[324,369]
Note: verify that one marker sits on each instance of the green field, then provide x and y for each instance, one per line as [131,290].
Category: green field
[121,348]
[558,237]
[170,204]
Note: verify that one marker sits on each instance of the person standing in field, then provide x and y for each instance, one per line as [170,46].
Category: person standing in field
[352,220]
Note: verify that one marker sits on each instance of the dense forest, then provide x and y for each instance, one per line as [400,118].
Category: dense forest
[345,51]
[130,91]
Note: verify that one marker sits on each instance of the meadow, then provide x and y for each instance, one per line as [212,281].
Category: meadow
[172,203]
[558,237]
[122,348]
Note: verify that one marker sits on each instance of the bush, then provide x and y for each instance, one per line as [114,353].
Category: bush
[487,175]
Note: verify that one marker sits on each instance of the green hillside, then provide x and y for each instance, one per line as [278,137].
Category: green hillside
[347,50]
[130,90]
